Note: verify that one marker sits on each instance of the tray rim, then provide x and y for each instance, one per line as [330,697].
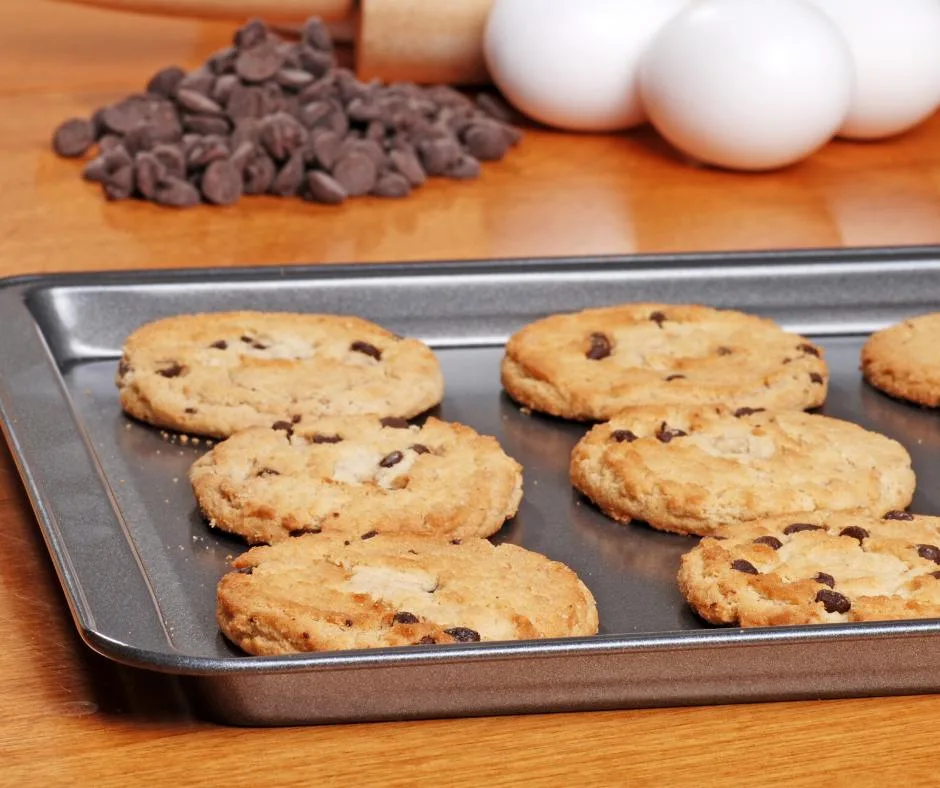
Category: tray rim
[775,259]
[17,290]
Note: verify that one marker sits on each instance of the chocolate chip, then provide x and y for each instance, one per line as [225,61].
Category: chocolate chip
[222,63]
[935,574]
[929,552]
[318,65]
[119,184]
[197,103]
[674,377]
[406,162]
[284,426]
[259,62]
[392,459]
[203,152]
[748,411]
[809,350]
[356,173]
[245,570]
[317,35]
[267,472]
[815,377]
[73,138]
[174,370]
[223,87]
[202,80]
[770,541]
[293,78]
[744,566]
[456,541]
[272,92]
[825,579]
[465,168]
[149,173]
[723,350]
[296,418]
[420,448]
[123,367]
[250,34]
[438,155]
[404,617]
[176,193]
[658,318]
[463,635]
[206,124]
[221,183]
[495,107]
[324,189]
[856,532]
[369,350]
[392,185]
[897,514]
[319,438]
[165,81]
[395,422]
[369,534]
[258,173]
[138,139]
[190,411]
[833,601]
[427,640]
[600,346]
[326,145]
[291,176]
[666,433]
[486,141]
[282,134]
[220,344]
[623,436]
[795,528]
[307,529]
[172,158]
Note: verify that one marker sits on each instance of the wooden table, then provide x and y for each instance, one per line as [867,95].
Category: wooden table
[71,716]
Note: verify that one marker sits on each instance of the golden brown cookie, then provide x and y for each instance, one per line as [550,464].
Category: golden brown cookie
[588,365]
[217,373]
[693,470]
[355,474]
[814,568]
[903,360]
[317,593]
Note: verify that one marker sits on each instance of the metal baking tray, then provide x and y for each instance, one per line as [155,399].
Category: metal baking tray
[139,566]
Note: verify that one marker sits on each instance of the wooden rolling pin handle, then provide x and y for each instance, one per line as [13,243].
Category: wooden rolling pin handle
[424,41]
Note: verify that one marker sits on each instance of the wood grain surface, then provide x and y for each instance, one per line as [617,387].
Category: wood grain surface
[73,718]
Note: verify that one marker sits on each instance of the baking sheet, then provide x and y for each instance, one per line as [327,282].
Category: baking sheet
[139,566]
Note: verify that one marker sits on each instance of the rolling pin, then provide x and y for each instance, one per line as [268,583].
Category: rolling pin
[271,10]
[422,41]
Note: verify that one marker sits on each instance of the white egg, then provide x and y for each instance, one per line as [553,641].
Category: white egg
[573,64]
[748,84]
[896,49]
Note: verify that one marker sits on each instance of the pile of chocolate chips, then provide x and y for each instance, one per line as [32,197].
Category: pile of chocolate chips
[268,116]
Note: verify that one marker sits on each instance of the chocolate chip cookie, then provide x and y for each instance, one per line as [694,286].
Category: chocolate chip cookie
[692,470]
[814,568]
[214,374]
[903,360]
[354,475]
[588,365]
[318,593]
